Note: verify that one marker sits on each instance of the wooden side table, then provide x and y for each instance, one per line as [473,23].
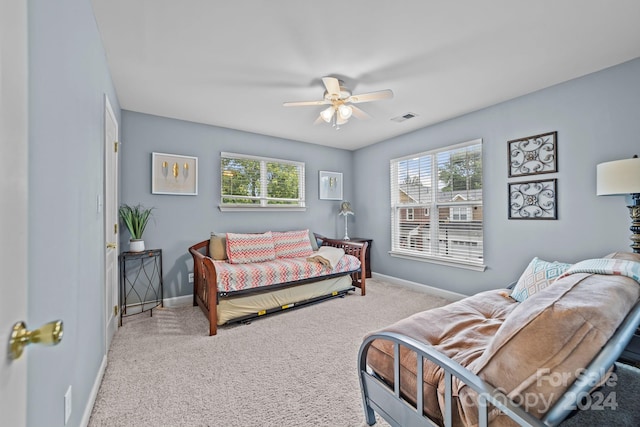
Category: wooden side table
[631,353]
[140,282]
[367,255]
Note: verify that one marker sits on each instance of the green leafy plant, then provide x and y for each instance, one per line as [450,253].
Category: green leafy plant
[135,218]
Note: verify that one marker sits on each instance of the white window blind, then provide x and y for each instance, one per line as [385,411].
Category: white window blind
[260,182]
[443,190]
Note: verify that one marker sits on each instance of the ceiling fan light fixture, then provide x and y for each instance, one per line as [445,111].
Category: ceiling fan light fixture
[345,111]
[327,114]
[340,99]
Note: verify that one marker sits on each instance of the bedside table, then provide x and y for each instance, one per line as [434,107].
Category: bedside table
[367,255]
[141,287]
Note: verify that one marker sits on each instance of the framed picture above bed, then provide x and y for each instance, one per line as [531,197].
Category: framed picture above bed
[330,185]
[174,174]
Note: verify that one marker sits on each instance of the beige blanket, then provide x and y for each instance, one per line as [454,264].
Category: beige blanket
[327,256]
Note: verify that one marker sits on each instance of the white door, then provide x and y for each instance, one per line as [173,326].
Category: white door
[110,221]
[13,208]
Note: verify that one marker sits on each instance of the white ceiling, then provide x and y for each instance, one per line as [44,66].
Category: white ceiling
[233,63]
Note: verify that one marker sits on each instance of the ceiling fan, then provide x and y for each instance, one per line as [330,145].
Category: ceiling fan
[340,101]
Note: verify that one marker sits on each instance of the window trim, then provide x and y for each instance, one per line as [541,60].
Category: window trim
[264,200]
[433,205]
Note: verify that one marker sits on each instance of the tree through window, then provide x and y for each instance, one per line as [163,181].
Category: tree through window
[250,181]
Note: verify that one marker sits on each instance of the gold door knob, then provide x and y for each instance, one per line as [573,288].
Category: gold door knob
[49,334]
[111,245]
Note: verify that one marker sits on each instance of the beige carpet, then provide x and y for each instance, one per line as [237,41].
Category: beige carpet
[296,368]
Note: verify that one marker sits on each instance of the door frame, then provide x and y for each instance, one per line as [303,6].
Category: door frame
[14,145]
[110,202]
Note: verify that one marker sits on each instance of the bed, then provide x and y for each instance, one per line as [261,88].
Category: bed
[268,287]
[490,360]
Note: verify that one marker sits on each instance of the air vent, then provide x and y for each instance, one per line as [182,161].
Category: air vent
[404,117]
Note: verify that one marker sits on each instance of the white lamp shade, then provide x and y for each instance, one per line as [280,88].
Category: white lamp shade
[345,112]
[327,114]
[618,177]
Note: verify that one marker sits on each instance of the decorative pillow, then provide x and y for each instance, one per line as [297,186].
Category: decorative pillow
[538,275]
[292,244]
[246,248]
[312,239]
[218,247]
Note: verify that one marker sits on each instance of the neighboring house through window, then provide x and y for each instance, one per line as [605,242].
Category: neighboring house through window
[436,201]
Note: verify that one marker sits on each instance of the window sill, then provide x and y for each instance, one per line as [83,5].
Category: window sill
[261,208]
[438,260]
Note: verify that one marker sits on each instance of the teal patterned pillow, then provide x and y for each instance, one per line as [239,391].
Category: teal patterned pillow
[538,275]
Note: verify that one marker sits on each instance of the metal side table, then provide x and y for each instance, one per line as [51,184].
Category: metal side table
[140,282]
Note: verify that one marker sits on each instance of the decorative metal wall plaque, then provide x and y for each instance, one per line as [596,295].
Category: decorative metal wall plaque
[533,200]
[533,155]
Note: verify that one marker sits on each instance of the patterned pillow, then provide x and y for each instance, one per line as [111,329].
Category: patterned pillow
[538,275]
[292,244]
[246,248]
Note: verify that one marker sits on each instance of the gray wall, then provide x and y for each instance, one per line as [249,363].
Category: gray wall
[68,78]
[597,118]
[181,221]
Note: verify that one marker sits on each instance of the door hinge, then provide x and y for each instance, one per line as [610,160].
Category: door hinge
[115,147]
[115,310]
[115,228]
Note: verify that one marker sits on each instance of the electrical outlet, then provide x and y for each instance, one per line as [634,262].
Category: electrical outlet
[67,405]
[190,277]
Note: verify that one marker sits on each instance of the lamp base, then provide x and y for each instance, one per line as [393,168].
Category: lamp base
[634,213]
[346,232]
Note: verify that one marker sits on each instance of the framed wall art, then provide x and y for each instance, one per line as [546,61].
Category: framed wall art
[330,185]
[533,155]
[174,174]
[533,199]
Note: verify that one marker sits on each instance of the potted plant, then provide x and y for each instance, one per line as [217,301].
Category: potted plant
[135,218]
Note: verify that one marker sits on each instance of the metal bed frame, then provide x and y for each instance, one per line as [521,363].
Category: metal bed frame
[398,412]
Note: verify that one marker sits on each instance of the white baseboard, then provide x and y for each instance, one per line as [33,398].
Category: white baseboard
[181,301]
[86,416]
[442,293]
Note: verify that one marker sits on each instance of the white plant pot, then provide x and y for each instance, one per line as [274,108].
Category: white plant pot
[136,245]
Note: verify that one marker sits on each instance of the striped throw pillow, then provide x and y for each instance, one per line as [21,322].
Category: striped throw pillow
[292,244]
[246,248]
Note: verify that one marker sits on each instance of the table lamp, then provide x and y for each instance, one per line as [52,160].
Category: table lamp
[345,209]
[623,177]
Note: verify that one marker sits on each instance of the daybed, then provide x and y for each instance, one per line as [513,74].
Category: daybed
[490,359]
[238,277]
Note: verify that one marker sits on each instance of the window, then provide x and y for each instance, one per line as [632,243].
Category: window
[445,187]
[250,182]
[460,213]
[409,214]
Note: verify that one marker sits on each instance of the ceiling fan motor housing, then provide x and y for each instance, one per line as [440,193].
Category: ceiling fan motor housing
[344,93]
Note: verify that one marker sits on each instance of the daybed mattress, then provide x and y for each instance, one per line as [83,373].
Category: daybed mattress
[230,308]
[237,277]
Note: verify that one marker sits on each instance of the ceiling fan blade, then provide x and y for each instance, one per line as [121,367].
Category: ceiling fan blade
[304,103]
[359,113]
[333,85]
[371,96]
